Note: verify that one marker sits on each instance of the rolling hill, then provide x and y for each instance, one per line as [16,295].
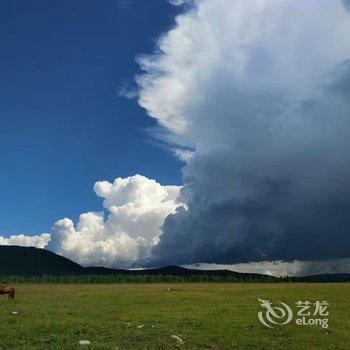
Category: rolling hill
[30,261]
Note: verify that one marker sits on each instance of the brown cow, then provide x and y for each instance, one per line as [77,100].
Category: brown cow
[7,289]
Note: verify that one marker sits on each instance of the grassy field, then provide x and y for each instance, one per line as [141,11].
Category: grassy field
[145,316]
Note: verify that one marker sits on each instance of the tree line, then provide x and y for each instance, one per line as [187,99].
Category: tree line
[120,278]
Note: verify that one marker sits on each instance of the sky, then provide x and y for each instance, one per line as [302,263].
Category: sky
[63,125]
[188,132]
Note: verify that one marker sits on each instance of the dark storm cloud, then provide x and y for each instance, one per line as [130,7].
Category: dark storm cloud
[341,85]
[265,229]
[346,4]
[269,115]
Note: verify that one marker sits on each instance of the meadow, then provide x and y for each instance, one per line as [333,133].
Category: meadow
[167,316]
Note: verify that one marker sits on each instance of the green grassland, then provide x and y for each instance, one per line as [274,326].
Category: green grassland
[145,316]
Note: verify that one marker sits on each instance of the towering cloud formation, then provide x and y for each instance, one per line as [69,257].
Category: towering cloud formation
[136,206]
[260,91]
[255,97]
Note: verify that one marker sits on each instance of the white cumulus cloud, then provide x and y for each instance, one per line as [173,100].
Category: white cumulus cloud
[39,241]
[135,211]
[119,236]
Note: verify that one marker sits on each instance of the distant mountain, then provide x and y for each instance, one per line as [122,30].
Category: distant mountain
[30,261]
[173,271]
[327,277]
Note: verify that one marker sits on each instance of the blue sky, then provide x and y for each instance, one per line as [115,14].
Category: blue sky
[62,124]
[258,92]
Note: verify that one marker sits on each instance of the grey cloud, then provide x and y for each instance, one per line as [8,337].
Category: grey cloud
[346,4]
[270,121]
